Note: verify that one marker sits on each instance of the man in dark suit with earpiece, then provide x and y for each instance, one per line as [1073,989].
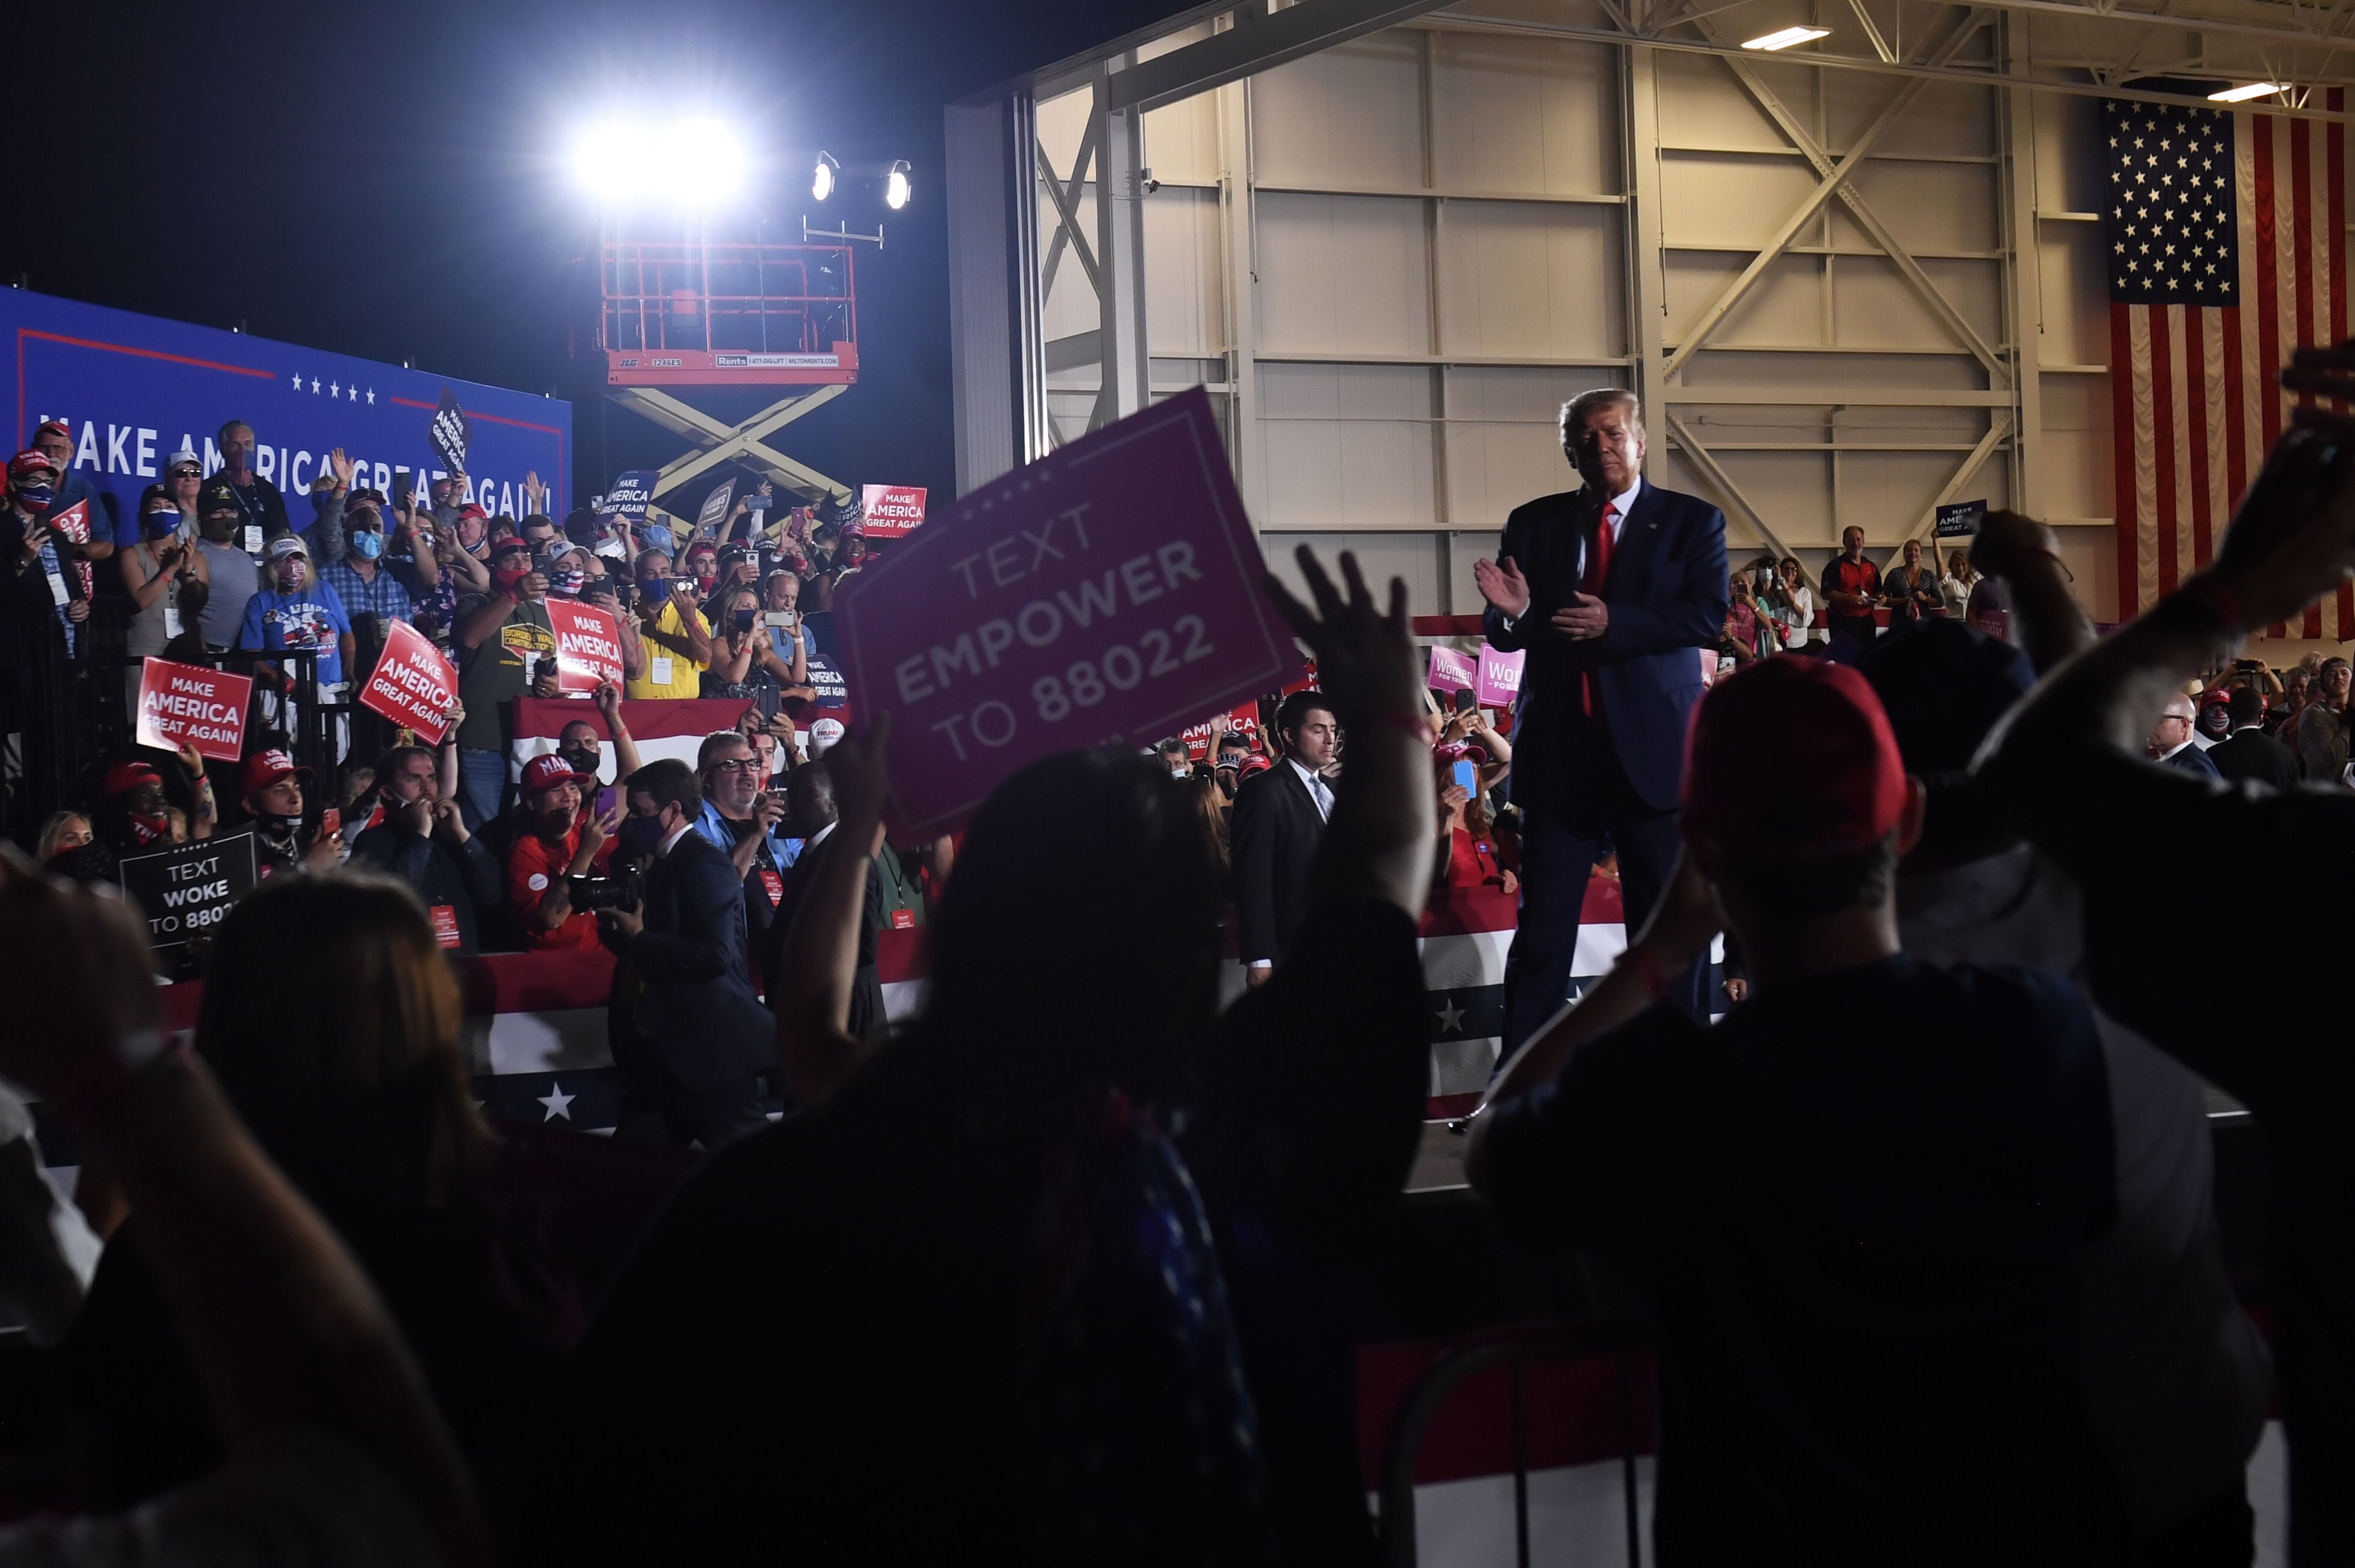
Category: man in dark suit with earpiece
[1612,587]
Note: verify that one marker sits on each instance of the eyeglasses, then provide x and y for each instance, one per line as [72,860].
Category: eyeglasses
[736,765]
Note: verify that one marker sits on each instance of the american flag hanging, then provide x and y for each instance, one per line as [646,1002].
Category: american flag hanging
[2227,249]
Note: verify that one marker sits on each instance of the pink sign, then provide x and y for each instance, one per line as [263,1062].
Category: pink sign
[1498,680]
[893,511]
[412,685]
[1450,670]
[188,704]
[588,646]
[1107,593]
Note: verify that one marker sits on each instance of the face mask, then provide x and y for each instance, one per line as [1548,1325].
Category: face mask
[161,525]
[1177,772]
[290,576]
[35,498]
[368,544]
[148,830]
[275,826]
[584,761]
[509,580]
[639,837]
[566,584]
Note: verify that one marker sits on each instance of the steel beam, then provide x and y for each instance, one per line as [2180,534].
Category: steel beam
[1268,42]
[1735,292]
[725,442]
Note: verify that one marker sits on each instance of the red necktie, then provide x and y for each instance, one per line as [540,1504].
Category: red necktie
[1597,573]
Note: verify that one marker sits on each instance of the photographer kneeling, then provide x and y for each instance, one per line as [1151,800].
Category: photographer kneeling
[698,1037]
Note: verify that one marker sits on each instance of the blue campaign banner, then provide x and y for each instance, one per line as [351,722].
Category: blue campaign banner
[136,388]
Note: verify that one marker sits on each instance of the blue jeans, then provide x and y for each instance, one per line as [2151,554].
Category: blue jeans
[482,786]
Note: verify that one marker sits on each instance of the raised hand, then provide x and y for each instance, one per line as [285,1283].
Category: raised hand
[2293,538]
[1365,658]
[341,466]
[1501,584]
[862,778]
[534,491]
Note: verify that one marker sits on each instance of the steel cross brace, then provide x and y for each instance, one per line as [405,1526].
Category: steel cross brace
[1832,182]
[723,442]
[1868,220]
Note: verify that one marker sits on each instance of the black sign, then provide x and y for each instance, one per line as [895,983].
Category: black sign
[826,680]
[631,495]
[451,430]
[186,891]
[1961,519]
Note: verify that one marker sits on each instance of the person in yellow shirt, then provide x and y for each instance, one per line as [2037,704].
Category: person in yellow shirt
[677,638]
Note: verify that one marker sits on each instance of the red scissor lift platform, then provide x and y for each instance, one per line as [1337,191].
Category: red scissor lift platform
[728,314]
[722,314]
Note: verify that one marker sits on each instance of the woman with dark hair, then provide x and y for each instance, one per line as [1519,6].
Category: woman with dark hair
[1911,590]
[1066,1260]
[1210,805]
[332,1021]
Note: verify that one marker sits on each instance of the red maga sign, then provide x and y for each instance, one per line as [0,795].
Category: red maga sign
[1242,719]
[893,511]
[1107,593]
[588,646]
[188,704]
[413,685]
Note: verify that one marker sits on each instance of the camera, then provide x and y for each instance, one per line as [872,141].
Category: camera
[623,889]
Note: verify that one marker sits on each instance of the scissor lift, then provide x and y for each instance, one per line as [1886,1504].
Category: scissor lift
[675,316]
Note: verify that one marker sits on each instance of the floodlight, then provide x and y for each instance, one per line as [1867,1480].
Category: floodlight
[1786,37]
[829,174]
[895,186]
[613,161]
[2243,93]
[702,161]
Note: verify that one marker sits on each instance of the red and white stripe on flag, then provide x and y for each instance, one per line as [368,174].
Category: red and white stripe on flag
[2196,400]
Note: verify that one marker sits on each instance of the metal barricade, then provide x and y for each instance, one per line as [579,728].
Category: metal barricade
[1514,1348]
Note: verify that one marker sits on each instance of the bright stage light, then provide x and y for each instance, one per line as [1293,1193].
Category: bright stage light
[896,190]
[694,162]
[705,162]
[827,176]
[613,162]
[2243,94]
[1787,37]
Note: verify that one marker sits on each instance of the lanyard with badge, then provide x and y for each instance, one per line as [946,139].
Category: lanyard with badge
[252,517]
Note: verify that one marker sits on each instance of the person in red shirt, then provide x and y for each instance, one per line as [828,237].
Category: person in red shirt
[1851,587]
[555,839]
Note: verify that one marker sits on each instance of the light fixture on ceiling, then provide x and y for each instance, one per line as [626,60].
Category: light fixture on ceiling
[2244,92]
[823,181]
[1786,37]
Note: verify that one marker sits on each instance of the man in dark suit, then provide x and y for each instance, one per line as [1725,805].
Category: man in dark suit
[1611,588]
[1279,816]
[2248,752]
[699,1037]
[811,812]
[2170,740]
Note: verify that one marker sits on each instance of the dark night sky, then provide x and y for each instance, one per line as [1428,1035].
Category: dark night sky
[387,180]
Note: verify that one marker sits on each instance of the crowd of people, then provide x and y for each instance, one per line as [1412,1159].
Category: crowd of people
[1069,1285]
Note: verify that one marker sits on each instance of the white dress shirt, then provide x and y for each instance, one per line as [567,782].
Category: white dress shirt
[1620,505]
[1318,791]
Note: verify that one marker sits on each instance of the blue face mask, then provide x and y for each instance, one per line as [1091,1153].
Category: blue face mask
[366,544]
[161,525]
[36,497]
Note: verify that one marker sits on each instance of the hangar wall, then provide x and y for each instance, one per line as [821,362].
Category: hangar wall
[1848,295]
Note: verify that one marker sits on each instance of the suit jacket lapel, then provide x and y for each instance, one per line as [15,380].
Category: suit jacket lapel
[1638,532]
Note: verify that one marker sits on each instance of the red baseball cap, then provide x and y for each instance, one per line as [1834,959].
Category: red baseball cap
[1253,764]
[125,776]
[470,511]
[264,769]
[25,461]
[2216,695]
[1740,794]
[546,772]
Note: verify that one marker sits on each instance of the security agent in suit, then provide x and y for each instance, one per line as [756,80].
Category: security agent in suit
[1278,815]
[2248,752]
[1611,588]
[699,1037]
